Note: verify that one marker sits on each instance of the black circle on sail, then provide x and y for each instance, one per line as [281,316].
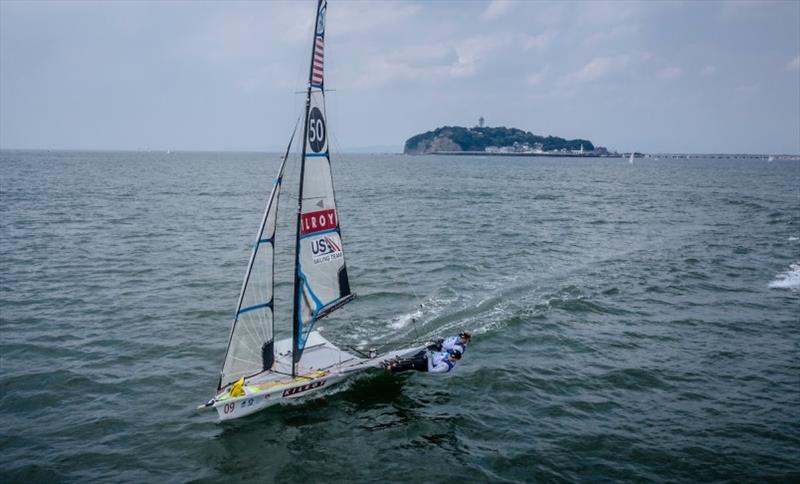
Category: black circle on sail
[316,130]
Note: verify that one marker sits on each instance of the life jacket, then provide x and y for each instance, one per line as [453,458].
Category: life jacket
[449,364]
[454,343]
[438,358]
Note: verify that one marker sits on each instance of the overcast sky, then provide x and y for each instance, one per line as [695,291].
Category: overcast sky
[652,77]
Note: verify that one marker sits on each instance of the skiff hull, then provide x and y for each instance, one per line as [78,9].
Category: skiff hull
[323,366]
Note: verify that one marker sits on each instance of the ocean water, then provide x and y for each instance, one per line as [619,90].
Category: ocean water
[632,322]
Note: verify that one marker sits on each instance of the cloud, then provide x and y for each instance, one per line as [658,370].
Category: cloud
[536,79]
[612,33]
[432,62]
[540,41]
[670,73]
[351,18]
[419,63]
[741,8]
[708,71]
[599,68]
[497,8]
[748,89]
[794,64]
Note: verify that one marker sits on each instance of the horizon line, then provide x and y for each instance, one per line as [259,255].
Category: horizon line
[354,150]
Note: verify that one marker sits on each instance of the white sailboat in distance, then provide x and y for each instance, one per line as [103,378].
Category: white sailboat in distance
[258,371]
[630,160]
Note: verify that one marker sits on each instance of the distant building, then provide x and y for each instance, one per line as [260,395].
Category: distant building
[480,122]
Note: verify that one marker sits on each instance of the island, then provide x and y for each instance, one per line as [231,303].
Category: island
[481,140]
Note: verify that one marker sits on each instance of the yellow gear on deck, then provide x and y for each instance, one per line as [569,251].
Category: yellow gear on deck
[237,389]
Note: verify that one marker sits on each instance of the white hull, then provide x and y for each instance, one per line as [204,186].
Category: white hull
[323,366]
[249,404]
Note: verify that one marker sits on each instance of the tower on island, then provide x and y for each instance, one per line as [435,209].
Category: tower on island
[480,122]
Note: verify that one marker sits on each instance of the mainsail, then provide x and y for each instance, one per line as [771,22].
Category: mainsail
[251,341]
[321,283]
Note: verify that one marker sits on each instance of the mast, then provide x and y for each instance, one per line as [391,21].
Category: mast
[296,329]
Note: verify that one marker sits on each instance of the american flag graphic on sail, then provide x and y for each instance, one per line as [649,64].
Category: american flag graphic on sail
[319,62]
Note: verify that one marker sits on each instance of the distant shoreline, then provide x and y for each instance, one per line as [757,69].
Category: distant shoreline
[672,156]
[547,154]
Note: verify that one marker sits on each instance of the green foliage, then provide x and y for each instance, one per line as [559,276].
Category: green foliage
[477,139]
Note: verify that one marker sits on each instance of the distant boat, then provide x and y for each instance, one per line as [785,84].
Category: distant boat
[630,160]
[259,371]
[771,158]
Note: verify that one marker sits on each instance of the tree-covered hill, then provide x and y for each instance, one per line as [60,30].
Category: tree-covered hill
[457,138]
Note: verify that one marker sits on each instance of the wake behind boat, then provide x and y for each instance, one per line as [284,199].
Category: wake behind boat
[258,371]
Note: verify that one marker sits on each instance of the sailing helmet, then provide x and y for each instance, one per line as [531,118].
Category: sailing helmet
[465,335]
[456,353]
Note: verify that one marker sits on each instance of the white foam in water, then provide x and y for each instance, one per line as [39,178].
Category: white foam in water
[793,238]
[401,322]
[789,279]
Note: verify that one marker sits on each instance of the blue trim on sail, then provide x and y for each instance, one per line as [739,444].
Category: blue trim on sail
[254,307]
[319,306]
[316,299]
[299,312]
[311,155]
[267,241]
[314,234]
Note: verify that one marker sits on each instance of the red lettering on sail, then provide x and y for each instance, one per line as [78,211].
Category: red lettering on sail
[318,221]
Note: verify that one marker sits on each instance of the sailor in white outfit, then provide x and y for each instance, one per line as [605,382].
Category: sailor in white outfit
[425,361]
[443,361]
[439,357]
[459,343]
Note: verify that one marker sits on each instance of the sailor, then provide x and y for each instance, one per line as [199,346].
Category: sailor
[444,361]
[426,361]
[459,343]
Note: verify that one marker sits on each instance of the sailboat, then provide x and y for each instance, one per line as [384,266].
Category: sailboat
[258,371]
[630,160]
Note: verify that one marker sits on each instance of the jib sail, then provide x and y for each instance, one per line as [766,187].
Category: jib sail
[251,341]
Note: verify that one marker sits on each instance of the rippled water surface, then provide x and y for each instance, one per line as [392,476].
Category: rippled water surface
[633,322]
